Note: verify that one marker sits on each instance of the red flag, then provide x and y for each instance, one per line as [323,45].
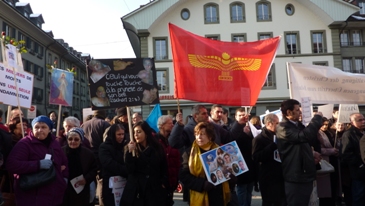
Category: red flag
[228,73]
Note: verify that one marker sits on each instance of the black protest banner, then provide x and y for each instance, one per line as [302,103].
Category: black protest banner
[116,83]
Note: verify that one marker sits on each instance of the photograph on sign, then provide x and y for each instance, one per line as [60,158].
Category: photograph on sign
[61,87]
[116,83]
[223,161]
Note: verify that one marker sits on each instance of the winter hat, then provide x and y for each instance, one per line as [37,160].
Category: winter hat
[43,119]
[78,131]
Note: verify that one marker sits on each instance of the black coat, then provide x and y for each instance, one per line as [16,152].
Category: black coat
[89,169]
[147,178]
[351,153]
[215,195]
[270,173]
[295,151]
[111,155]
[244,143]
[183,136]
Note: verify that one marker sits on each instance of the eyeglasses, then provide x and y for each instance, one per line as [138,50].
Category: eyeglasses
[73,139]
[360,120]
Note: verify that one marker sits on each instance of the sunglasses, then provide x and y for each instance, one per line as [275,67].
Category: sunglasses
[73,139]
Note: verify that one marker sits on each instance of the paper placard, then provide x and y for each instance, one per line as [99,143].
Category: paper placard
[307,110]
[345,111]
[219,163]
[78,188]
[8,90]
[117,184]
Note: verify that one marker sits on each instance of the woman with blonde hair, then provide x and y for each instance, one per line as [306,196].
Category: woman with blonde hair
[202,192]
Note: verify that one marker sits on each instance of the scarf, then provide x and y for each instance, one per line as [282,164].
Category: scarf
[196,169]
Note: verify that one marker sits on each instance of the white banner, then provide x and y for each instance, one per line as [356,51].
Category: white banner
[8,91]
[325,84]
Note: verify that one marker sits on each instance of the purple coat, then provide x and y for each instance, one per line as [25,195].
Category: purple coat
[24,158]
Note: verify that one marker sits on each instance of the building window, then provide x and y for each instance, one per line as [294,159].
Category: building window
[213,36]
[292,43]
[359,65]
[162,80]
[263,11]
[211,13]
[50,59]
[289,9]
[9,31]
[37,94]
[55,63]
[262,36]
[160,45]
[347,64]
[356,37]
[237,12]
[21,36]
[270,82]
[362,7]
[318,42]
[239,38]
[325,63]
[185,14]
[344,38]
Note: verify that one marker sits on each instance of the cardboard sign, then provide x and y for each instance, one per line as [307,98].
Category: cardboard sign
[345,111]
[122,82]
[9,91]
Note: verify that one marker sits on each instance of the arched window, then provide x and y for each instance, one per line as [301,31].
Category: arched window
[237,10]
[211,13]
[263,11]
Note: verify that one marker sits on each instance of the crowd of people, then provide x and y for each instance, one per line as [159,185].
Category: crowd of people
[283,160]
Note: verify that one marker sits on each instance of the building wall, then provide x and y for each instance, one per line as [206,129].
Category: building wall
[43,50]
[281,22]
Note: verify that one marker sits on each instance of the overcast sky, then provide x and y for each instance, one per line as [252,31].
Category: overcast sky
[89,26]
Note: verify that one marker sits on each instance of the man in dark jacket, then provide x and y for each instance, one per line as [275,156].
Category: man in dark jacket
[270,173]
[351,155]
[243,137]
[298,162]
[183,136]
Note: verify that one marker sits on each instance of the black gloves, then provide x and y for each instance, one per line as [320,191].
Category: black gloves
[208,186]
[232,181]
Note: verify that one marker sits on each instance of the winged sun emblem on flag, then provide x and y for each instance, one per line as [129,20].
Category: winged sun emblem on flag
[226,64]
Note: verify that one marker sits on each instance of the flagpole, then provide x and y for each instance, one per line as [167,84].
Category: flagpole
[58,119]
[18,101]
[178,105]
[2,47]
[130,128]
[289,80]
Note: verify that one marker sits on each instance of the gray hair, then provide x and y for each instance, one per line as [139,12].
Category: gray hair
[196,109]
[72,120]
[162,120]
[269,118]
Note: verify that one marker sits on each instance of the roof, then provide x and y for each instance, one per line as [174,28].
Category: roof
[353,2]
